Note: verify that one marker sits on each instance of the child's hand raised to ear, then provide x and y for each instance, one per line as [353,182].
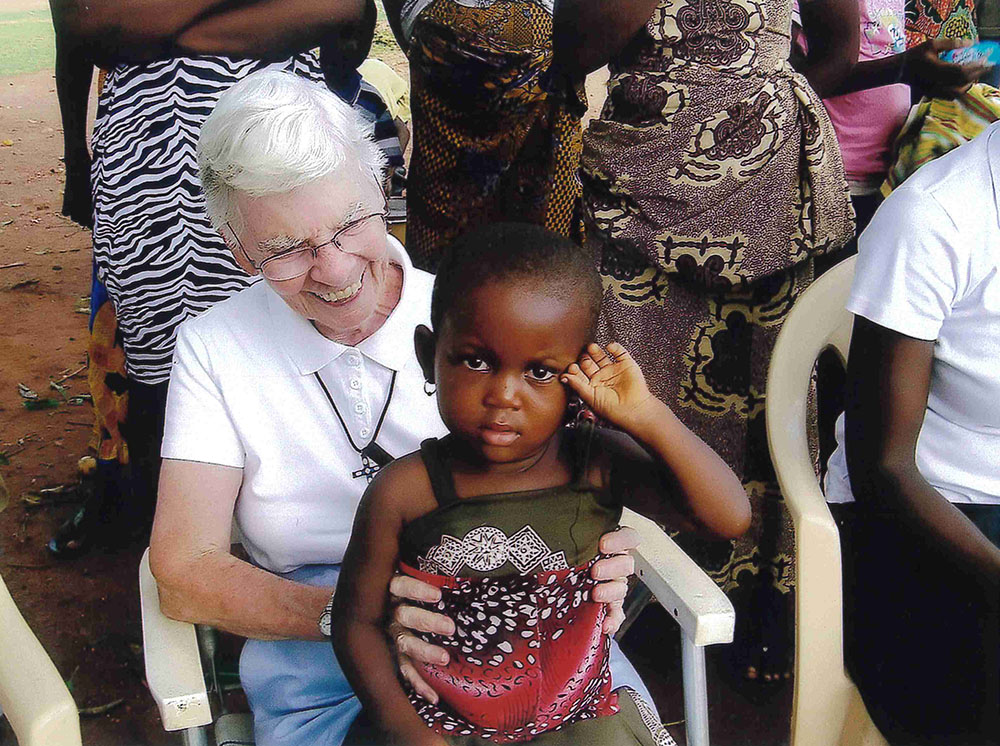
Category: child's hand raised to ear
[611,384]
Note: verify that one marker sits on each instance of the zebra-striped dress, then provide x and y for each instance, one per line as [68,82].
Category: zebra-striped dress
[154,248]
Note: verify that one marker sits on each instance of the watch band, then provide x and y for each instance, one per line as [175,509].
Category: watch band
[325,621]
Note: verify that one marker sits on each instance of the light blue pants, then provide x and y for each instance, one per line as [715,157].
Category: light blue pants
[300,696]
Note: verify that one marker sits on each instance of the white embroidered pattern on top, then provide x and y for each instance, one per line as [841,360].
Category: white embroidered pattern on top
[487,548]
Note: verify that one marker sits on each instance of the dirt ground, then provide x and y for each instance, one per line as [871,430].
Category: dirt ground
[86,612]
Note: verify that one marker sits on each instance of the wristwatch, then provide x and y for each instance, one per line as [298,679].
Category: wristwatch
[326,618]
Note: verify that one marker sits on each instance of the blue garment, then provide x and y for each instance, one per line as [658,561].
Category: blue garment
[297,691]
[300,696]
[366,100]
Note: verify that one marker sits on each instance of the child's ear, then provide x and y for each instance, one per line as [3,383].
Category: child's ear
[425,343]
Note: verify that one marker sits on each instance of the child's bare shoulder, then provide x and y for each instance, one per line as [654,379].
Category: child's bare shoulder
[614,446]
[403,487]
[611,451]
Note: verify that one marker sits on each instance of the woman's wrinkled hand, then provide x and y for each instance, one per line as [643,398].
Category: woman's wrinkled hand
[924,69]
[405,619]
[613,573]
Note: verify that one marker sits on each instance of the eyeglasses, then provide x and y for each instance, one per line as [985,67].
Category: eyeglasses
[295,262]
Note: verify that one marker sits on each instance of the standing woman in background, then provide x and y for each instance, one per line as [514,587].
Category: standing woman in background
[495,138]
[155,252]
[710,182]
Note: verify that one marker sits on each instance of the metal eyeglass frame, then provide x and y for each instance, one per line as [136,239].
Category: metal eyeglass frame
[383,213]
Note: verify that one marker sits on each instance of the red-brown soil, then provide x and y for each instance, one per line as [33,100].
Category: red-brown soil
[85,612]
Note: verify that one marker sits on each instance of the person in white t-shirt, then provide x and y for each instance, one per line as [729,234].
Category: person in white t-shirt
[287,398]
[922,447]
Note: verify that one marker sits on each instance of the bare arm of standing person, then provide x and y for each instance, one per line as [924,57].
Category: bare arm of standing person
[393,12]
[709,493]
[269,28]
[116,31]
[588,33]
[832,32]
[889,376]
[128,30]
[74,74]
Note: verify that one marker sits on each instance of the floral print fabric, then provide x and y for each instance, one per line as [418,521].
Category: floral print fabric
[710,181]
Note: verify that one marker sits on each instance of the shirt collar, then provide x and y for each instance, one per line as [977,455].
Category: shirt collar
[390,345]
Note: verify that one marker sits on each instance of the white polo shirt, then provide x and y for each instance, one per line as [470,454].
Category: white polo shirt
[929,267]
[255,386]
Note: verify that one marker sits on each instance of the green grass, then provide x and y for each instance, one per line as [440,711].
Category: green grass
[27,42]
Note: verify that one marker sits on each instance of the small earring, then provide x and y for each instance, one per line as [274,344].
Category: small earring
[430,388]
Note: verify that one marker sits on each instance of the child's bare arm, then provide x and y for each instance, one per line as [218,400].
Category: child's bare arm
[611,383]
[360,608]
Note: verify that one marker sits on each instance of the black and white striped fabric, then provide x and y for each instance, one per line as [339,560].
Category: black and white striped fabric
[155,250]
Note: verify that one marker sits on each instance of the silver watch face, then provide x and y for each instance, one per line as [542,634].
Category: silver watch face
[326,620]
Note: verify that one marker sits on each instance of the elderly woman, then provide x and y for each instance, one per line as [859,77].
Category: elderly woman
[285,399]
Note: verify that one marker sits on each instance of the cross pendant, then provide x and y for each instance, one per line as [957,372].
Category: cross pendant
[368,468]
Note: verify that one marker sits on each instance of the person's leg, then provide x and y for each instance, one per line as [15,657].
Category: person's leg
[464,166]
[144,433]
[296,689]
[108,386]
[623,673]
[925,640]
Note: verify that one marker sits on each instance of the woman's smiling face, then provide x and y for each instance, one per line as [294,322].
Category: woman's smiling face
[340,293]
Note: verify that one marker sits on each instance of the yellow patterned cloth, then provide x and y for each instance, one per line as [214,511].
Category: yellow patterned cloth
[711,180]
[940,19]
[492,140]
[107,380]
[939,125]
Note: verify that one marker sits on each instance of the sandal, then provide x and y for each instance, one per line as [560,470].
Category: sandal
[72,539]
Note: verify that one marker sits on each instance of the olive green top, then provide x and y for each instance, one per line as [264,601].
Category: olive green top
[510,533]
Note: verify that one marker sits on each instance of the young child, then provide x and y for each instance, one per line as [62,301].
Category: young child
[504,514]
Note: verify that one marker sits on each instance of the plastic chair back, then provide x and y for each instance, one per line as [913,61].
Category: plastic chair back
[33,696]
[827,709]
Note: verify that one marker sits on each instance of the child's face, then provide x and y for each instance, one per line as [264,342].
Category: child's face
[497,364]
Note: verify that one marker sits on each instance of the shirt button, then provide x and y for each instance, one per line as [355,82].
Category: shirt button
[354,360]
[355,383]
[365,432]
[360,408]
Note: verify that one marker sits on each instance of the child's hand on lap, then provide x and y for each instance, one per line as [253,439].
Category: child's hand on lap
[611,384]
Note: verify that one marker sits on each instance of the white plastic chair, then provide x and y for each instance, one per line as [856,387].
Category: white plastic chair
[703,612]
[33,696]
[827,709]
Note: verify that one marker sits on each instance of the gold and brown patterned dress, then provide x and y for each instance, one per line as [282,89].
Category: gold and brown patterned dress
[710,181]
[494,137]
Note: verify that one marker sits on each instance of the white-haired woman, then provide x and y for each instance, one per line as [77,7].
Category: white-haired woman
[156,257]
[285,399]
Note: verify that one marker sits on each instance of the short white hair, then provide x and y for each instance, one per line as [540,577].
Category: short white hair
[274,131]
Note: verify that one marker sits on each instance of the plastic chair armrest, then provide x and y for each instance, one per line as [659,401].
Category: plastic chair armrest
[702,610]
[33,695]
[173,662]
